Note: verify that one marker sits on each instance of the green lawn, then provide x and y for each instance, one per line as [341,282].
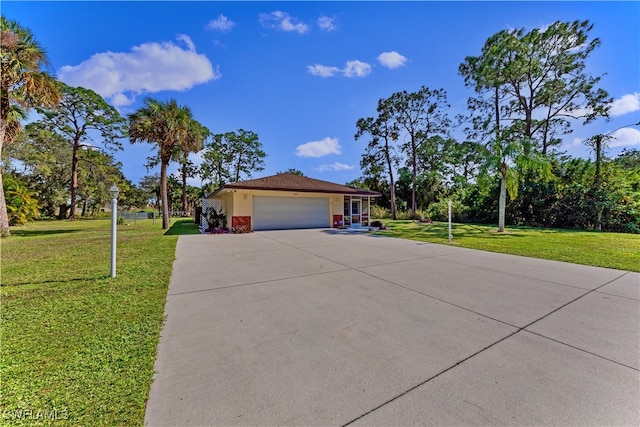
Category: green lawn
[77,345]
[612,250]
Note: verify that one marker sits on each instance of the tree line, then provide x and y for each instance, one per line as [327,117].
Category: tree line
[530,89]
[64,160]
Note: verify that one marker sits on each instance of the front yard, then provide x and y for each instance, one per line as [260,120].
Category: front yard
[78,347]
[611,250]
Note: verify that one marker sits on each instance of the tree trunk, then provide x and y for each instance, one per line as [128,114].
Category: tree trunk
[184,190]
[62,211]
[597,183]
[414,176]
[392,189]
[392,193]
[4,216]
[502,201]
[163,194]
[74,182]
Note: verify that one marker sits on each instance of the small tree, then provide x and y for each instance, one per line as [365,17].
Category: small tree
[81,115]
[380,156]
[420,115]
[230,156]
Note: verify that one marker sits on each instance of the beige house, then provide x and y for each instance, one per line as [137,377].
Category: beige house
[287,201]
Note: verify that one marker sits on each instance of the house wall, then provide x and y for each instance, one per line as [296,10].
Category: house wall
[239,203]
[227,198]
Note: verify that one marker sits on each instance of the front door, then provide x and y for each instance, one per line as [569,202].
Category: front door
[356,209]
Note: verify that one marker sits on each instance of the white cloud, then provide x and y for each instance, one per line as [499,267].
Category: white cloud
[187,41]
[353,68]
[147,68]
[337,166]
[121,100]
[323,70]
[327,24]
[221,23]
[625,137]
[283,21]
[320,148]
[628,103]
[576,114]
[391,59]
[357,69]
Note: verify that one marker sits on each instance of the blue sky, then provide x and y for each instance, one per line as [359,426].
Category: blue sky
[300,74]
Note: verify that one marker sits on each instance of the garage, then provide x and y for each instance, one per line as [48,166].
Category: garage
[288,200]
[274,213]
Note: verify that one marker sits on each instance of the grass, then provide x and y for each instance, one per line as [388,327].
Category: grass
[78,347]
[611,250]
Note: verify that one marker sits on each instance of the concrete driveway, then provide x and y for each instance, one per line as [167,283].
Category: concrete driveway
[319,327]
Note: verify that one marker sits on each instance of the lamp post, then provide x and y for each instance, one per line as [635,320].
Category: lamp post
[450,235]
[114,192]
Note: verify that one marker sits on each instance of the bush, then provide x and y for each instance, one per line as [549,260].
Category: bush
[407,214]
[379,212]
[214,218]
[439,211]
[22,206]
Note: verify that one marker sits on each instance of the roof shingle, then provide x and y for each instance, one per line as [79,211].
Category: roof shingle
[291,182]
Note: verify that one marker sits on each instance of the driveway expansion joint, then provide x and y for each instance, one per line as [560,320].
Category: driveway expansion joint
[582,350]
[440,258]
[261,282]
[521,329]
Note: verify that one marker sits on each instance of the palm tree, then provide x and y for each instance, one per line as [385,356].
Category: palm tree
[22,85]
[165,124]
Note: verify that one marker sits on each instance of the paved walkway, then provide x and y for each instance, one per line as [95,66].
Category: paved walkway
[313,327]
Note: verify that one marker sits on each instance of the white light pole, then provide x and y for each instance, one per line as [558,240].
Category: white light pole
[450,235]
[114,192]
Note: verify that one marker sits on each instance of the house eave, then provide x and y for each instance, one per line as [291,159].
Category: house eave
[235,186]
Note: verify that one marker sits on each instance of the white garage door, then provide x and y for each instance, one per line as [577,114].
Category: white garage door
[278,213]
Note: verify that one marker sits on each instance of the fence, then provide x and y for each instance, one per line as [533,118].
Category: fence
[137,216]
[217,204]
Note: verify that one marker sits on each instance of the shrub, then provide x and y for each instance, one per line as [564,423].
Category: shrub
[22,206]
[214,218]
[379,212]
[439,211]
[407,214]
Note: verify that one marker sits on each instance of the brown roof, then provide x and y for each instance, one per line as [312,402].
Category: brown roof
[291,182]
